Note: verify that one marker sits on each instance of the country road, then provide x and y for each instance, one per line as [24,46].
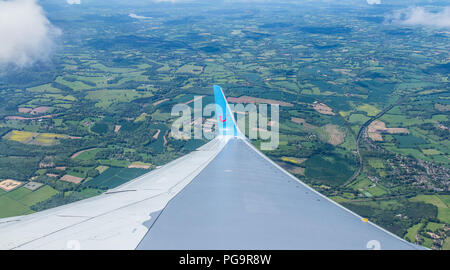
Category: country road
[362,131]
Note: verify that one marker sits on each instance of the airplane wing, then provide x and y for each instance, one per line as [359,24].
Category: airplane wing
[224,195]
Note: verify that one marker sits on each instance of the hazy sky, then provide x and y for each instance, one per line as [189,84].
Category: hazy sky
[27,35]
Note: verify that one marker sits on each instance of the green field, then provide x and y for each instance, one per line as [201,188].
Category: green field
[361,182]
[79,171]
[412,232]
[18,193]
[376,163]
[370,110]
[358,118]
[39,195]
[446,245]
[377,191]
[437,200]
[10,207]
[18,201]
[46,88]
[444,215]
[408,141]
[440,201]
[114,162]
[433,226]
[88,155]
[190,69]
[114,177]
[334,171]
[431,152]
[105,98]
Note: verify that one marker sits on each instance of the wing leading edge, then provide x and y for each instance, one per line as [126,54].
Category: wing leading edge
[225,195]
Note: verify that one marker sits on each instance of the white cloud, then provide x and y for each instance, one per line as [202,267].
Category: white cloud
[73,2]
[373,2]
[420,16]
[26,35]
[135,16]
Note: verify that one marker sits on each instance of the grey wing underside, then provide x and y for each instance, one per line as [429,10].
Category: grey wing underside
[225,195]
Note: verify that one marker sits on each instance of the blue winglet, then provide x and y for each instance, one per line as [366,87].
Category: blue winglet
[225,118]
